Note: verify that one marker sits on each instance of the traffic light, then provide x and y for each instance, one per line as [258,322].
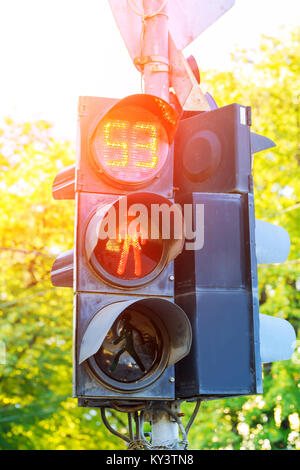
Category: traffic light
[135,339]
[216,278]
[128,331]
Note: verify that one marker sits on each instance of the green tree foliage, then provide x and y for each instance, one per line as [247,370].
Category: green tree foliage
[37,410]
[268,80]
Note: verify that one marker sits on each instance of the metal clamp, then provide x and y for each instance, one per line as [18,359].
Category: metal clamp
[158,63]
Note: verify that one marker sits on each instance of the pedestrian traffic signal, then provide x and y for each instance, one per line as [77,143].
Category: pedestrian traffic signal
[129,347]
[128,331]
[134,340]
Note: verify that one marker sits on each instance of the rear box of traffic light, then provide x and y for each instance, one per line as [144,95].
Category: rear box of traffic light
[213,151]
[216,286]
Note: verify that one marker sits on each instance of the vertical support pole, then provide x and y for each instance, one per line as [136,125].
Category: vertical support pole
[155,52]
[156,48]
[165,431]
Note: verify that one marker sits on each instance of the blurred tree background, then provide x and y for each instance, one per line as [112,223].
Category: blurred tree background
[37,410]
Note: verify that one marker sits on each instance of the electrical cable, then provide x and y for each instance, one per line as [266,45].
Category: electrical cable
[137,426]
[130,428]
[112,430]
[184,441]
[139,441]
[142,425]
[192,418]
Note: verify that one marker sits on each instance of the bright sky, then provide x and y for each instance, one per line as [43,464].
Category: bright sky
[53,51]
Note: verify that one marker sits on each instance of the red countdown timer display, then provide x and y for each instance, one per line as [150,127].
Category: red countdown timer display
[130,145]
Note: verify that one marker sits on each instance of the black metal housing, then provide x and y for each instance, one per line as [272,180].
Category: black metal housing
[217,288]
[213,151]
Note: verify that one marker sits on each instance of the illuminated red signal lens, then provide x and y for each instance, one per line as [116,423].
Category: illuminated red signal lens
[130,257]
[130,145]
[128,242]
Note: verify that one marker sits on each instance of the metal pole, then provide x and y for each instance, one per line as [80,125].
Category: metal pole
[155,53]
[155,48]
[165,430]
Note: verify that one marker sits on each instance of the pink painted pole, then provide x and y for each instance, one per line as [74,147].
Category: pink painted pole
[155,48]
[155,53]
